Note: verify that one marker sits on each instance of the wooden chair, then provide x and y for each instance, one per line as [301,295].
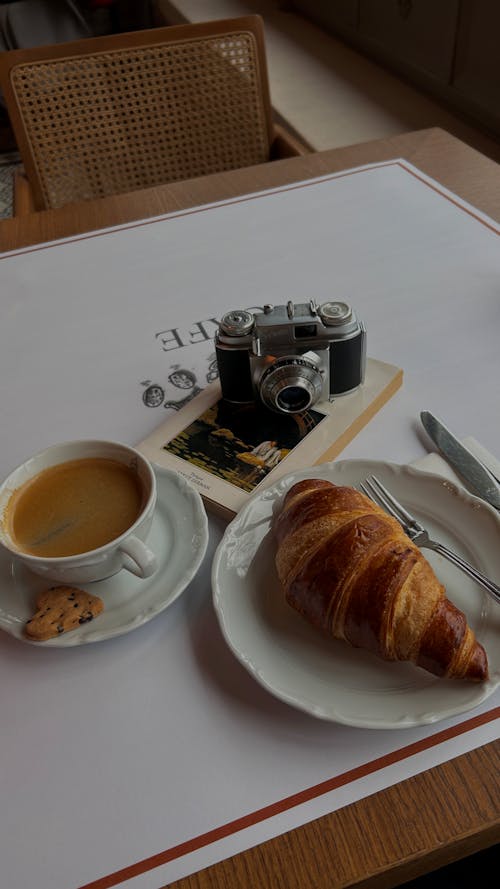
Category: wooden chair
[107,115]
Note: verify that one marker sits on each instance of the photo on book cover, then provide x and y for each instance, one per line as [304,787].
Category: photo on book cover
[241,443]
[228,451]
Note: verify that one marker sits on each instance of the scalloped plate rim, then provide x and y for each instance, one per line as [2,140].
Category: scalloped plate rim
[258,508]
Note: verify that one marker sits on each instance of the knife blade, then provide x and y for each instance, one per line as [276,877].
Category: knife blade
[482,482]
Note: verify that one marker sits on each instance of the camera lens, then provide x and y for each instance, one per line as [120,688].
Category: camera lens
[292,399]
[291,385]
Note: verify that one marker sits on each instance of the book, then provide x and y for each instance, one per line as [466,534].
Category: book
[228,451]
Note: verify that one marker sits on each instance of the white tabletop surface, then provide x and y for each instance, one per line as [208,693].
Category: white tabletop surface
[143,758]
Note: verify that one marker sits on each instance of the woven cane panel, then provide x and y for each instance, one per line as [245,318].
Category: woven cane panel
[120,120]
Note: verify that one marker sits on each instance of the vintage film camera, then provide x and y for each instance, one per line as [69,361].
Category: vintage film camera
[292,356]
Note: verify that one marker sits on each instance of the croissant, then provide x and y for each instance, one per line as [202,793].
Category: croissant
[348,568]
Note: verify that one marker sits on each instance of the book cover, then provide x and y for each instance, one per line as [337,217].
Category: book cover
[228,451]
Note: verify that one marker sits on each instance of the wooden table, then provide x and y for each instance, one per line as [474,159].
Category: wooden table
[462,169]
[438,816]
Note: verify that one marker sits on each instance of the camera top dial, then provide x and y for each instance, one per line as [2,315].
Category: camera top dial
[335,313]
[238,322]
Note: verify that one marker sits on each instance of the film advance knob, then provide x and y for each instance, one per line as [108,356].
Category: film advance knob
[237,323]
[335,313]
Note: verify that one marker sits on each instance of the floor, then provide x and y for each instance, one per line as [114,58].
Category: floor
[8,163]
[461,874]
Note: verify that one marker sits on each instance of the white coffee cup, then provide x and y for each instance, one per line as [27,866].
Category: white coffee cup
[128,551]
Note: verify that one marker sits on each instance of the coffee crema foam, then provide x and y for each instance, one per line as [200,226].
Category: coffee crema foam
[74,507]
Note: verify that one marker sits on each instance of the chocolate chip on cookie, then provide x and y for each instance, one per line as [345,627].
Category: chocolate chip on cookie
[60,609]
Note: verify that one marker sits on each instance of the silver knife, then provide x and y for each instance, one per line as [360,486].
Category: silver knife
[480,479]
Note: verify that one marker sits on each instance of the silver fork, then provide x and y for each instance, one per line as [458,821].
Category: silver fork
[375,490]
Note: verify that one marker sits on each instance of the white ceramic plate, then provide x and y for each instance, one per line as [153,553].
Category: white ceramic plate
[328,678]
[178,536]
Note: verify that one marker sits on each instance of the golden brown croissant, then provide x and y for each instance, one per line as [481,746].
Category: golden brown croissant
[348,568]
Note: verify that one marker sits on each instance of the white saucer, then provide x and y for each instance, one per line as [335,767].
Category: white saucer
[178,536]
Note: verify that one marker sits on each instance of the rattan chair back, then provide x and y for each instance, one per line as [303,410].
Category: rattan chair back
[112,114]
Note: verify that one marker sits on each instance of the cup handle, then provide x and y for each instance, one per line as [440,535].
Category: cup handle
[142,561]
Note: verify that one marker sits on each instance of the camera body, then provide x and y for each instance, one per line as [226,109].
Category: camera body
[291,356]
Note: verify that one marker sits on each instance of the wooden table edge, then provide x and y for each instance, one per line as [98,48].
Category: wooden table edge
[415,826]
[433,151]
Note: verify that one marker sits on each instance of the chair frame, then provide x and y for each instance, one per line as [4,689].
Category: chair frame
[280,143]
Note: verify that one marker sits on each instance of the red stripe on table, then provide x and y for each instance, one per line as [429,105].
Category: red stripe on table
[289,802]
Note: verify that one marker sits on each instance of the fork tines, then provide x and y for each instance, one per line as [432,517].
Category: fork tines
[375,490]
